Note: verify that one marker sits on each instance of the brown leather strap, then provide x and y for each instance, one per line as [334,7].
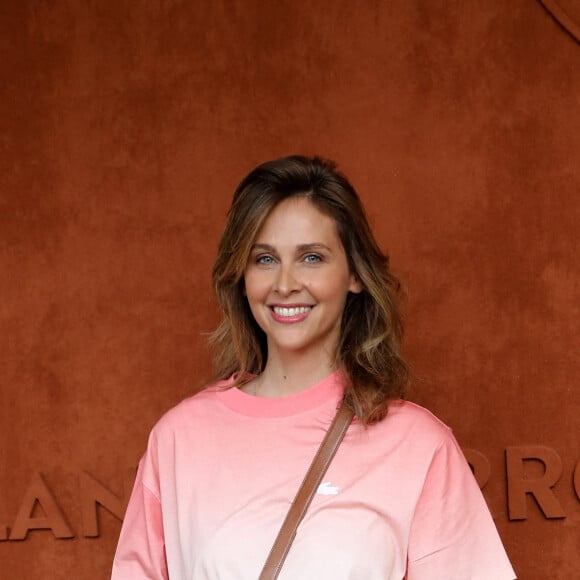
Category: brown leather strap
[304,496]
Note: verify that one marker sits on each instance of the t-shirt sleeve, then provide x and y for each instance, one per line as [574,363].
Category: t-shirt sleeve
[452,535]
[141,549]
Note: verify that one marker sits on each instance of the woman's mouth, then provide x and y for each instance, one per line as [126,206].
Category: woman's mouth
[290,314]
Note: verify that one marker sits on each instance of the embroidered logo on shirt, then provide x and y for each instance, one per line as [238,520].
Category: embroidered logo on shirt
[326,488]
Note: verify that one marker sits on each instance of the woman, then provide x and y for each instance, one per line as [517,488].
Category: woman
[309,317]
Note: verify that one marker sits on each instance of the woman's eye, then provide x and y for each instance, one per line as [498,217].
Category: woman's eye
[312,258]
[266,260]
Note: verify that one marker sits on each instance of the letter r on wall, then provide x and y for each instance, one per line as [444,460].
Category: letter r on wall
[539,487]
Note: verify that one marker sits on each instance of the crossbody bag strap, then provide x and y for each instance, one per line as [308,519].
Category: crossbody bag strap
[314,475]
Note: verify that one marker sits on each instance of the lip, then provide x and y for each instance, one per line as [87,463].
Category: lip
[290,319]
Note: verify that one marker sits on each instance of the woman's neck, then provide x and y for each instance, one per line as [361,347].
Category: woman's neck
[291,374]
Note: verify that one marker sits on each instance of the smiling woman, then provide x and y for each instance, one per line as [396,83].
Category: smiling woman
[306,199]
[310,324]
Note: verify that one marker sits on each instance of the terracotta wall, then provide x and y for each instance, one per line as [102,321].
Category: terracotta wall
[124,128]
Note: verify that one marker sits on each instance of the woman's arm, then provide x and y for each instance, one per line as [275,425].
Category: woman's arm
[453,536]
[141,549]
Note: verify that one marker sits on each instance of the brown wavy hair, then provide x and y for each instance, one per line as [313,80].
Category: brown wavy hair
[371,327]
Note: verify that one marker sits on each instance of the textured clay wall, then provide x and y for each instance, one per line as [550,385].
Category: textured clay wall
[124,128]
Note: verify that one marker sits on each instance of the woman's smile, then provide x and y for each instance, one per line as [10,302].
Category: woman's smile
[290,314]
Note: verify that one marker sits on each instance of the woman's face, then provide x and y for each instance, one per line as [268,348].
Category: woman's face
[297,279]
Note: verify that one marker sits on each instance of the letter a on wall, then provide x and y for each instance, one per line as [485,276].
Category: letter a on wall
[53,519]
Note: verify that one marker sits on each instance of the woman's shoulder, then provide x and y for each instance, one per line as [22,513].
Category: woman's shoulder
[199,406]
[408,416]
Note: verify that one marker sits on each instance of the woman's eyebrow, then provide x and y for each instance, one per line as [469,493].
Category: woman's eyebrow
[301,247]
[263,247]
[313,246]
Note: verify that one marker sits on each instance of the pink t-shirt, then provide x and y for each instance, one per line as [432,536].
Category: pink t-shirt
[222,468]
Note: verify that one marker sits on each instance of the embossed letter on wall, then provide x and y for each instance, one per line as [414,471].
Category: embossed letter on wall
[40,510]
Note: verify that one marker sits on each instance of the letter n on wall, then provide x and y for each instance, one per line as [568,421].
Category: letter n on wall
[93,494]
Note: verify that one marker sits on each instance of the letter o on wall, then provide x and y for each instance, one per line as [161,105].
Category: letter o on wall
[479,464]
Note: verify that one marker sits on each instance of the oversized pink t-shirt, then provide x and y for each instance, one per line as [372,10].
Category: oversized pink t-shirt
[222,468]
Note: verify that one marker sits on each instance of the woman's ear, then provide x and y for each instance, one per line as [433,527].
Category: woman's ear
[355,286]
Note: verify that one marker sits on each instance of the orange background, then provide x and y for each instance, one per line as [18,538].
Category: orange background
[124,128]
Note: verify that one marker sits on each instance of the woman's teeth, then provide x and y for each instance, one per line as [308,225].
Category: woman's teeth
[280,311]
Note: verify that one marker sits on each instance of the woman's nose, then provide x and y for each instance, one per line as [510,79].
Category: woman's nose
[286,281]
